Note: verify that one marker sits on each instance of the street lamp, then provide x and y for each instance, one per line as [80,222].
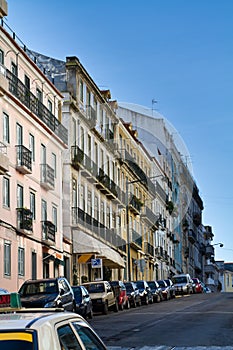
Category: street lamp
[127,220]
[220,244]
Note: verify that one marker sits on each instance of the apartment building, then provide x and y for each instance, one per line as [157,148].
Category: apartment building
[32,139]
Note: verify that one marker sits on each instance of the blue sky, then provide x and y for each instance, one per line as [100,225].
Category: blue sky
[178,52]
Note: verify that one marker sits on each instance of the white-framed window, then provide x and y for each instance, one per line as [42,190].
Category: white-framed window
[50,106]
[54,164]
[33,204]
[54,216]
[74,193]
[2,57]
[19,196]
[6,192]
[32,146]
[7,258]
[21,261]
[6,128]
[81,95]
[89,200]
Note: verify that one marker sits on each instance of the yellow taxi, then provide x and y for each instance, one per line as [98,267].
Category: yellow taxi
[45,329]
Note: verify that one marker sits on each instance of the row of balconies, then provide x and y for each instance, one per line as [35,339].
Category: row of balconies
[10,82]
[79,216]
[25,225]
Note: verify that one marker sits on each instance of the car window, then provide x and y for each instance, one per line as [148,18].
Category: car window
[63,285]
[95,288]
[89,339]
[77,292]
[67,338]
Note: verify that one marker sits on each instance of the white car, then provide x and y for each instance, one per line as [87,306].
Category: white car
[46,329]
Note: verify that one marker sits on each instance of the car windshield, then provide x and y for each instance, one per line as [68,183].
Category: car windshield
[151,284]
[181,279]
[39,288]
[77,291]
[140,285]
[161,283]
[95,288]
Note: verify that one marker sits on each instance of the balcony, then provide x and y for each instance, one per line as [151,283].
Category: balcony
[21,92]
[136,239]
[135,204]
[48,232]
[209,250]
[23,160]
[149,216]
[47,179]
[106,185]
[209,269]
[161,192]
[149,249]
[24,220]
[77,156]
[91,116]
[4,160]
[192,236]
[87,222]
[159,252]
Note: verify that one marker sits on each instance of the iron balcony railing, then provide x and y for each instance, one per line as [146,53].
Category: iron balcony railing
[19,90]
[48,231]
[24,219]
[47,175]
[82,218]
[23,157]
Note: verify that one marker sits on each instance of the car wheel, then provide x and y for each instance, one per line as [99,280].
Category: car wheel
[151,301]
[121,306]
[134,304]
[139,302]
[105,308]
[146,300]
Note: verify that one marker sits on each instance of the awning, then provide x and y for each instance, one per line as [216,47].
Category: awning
[82,259]
[83,243]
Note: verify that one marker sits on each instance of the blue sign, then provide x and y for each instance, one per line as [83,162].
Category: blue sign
[96,263]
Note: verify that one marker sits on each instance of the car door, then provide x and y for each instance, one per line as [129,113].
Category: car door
[65,294]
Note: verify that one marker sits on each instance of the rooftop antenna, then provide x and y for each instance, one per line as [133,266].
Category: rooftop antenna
[153,103]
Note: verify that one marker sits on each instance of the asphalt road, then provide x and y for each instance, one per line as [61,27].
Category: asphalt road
[199,321]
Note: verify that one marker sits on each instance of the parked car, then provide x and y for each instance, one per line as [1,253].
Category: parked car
[171,287]
[183,284]
[83,303]
[133,294]
[45,330]
[102,296]
[120,292]
[165,289]
[145,292]
[47,292]
[198,286]
[156,291]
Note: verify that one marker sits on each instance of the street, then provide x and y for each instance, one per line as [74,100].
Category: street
[199,321]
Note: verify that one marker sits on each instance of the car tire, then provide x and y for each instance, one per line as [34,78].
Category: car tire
[146,300]
[121,307]
[139,303]
[134,304]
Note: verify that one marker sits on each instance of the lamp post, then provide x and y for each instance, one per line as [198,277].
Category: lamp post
[220,244]
[127,221]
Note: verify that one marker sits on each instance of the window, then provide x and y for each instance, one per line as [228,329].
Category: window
[81,90]
[19,196]
[6,192]
[89,206]
[96,205]
[14,69]
[1,57]
[54,216]
[89,146]
[32,146]
[82,198]
[33,204]
[50,106]
[88,338]
[19,134]
[21,261]
[82,138]
[7,258]
[88,98]
[67,338]
[6,128]
[74,193]
[43,210]
[54,164]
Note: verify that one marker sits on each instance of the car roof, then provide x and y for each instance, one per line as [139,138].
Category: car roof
[34,320]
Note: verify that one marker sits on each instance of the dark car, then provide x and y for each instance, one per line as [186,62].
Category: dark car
[83,303]
[171,287]
[145,292]
[133,294]
[120,292]
[156,291]
[48,292]
[165,289]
